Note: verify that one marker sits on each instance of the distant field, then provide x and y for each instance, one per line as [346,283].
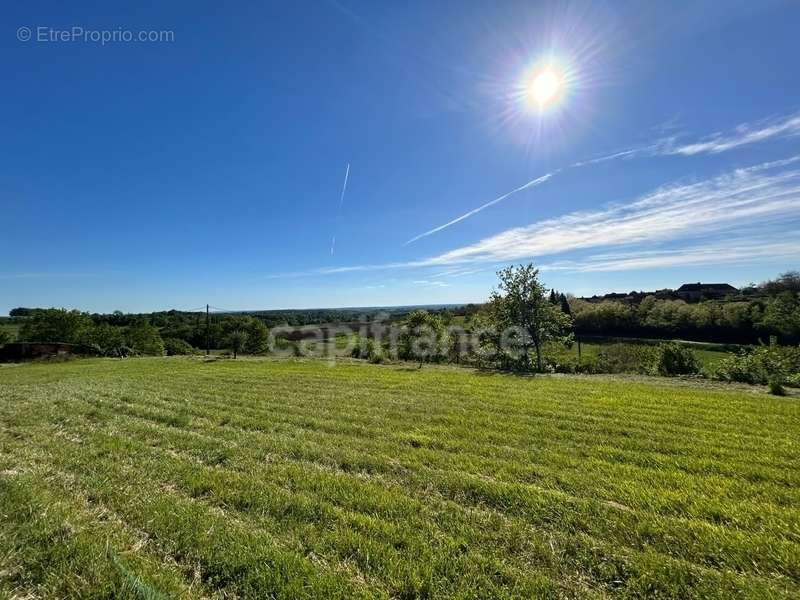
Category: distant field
[295,479]
[706,358]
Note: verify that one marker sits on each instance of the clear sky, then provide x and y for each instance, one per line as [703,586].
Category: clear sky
[619,146]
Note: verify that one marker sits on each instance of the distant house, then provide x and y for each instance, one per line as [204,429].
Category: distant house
[692,292]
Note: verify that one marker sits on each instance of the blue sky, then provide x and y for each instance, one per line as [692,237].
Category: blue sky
[210,167]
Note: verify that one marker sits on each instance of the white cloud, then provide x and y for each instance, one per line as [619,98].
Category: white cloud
[744,196]
[739,252]
[746,133]
[743,134]
[756,196]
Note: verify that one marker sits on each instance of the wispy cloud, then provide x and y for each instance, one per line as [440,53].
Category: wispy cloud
[742,135]
[475,211]
[758,193]
[738,252]
[766,194]
[432,283]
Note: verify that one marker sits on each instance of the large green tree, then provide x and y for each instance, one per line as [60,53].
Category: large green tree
[57,325]
[522,318]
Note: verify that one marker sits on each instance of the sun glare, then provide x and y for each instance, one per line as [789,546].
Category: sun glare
[545,87]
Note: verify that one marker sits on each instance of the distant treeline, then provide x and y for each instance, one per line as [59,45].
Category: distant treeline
[178,332]
[771,309]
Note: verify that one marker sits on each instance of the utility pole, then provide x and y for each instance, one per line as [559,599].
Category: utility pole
[208,334]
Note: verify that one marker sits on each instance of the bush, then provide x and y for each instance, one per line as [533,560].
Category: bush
[763,365]
[368,349]
[673,359]
[145,339]
[177,347]
[776,387]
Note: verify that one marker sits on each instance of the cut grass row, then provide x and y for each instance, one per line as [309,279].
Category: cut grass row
[300,480]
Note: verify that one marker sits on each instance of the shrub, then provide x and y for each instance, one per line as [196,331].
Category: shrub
[671,358]
[793,380]
[776,387]
[761,365]
[145,339]
[368,349]
[177,347]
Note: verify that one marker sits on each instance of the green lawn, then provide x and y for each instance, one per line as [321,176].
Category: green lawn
[153,478]
[707,358]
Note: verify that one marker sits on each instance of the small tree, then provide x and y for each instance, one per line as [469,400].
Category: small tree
[4,337]
[423,338]
[145,339]
[565,308]
[523,317]
[108,338]
[236,341]
[257,337]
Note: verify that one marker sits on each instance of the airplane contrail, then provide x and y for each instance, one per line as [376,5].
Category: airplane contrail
[341,202]
[344,186]
[525,186]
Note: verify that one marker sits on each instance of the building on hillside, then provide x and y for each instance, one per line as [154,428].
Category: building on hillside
[693,292]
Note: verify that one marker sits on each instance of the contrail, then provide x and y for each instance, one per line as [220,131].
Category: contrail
[721,141]
[344,186]
[530,184]
[341,202]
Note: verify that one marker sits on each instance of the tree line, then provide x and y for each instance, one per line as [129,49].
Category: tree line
[522,301]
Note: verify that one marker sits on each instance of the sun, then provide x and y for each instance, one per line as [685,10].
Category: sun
[545,87]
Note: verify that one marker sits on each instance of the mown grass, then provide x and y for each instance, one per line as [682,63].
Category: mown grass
[292,479]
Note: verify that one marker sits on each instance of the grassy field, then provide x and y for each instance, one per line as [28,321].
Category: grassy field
[152,478]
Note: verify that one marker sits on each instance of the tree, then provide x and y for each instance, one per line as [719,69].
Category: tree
[782,316]
[108,338]
[257,337]
[785,282]
[523,316]
[4,337]
[423,338]
[565,305]
[177,347]
[57,325]
[236,341]
[145,339]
